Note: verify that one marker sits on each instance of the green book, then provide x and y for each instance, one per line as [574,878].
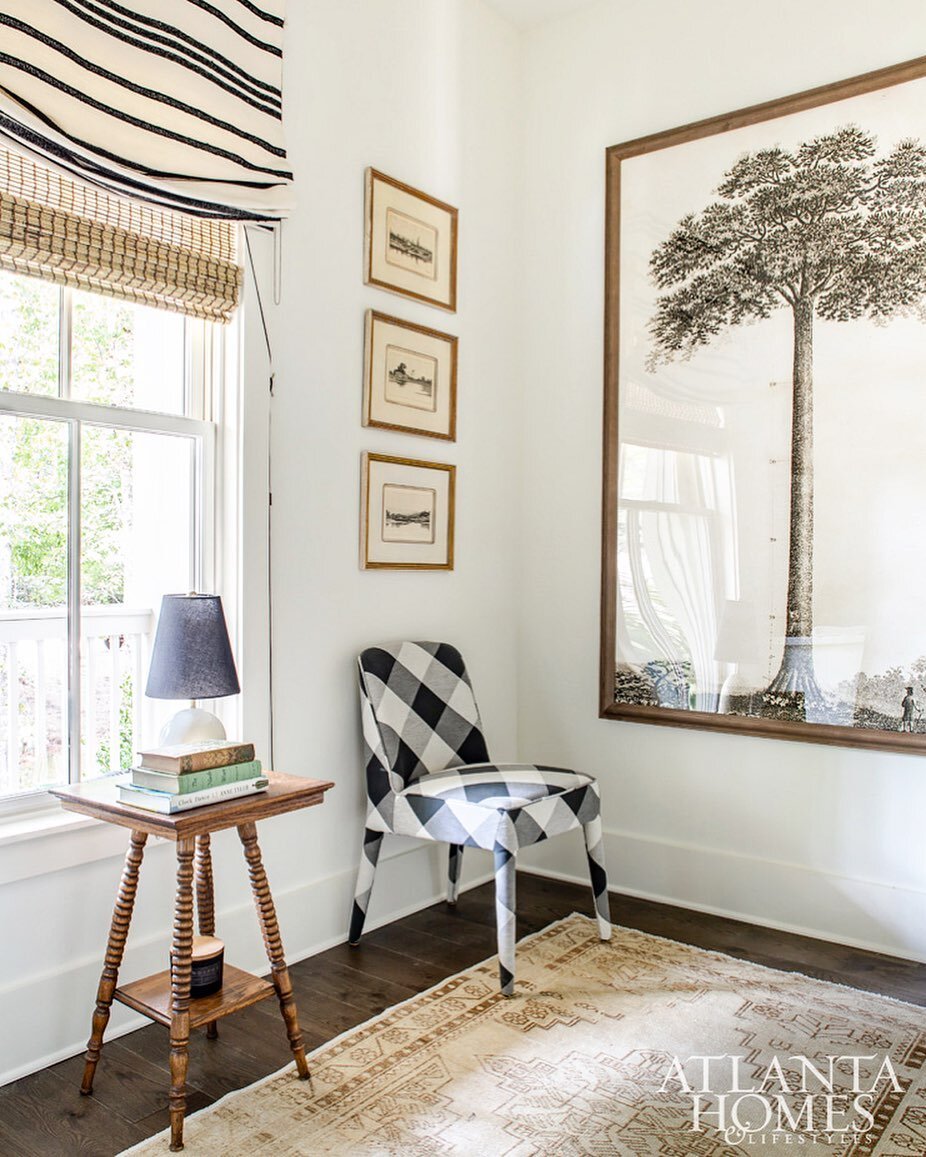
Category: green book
[191,781]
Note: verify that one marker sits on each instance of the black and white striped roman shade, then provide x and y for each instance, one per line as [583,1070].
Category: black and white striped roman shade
[175,102]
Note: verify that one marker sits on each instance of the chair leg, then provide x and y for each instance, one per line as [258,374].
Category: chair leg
[505,888]
[594,846]
[454,867]
[372,843]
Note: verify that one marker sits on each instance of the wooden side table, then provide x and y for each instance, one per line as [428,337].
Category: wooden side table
[165,996]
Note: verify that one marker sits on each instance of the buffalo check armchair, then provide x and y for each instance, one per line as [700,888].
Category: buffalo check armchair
[429,775]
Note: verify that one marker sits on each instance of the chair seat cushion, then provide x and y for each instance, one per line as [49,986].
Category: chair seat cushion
[501,786]
[499,806]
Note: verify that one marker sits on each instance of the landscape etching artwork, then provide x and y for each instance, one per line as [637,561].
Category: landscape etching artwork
[767,354]
[408,514]
[410,379]
[410,244]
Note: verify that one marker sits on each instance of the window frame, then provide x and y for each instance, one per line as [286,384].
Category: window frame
[203,391]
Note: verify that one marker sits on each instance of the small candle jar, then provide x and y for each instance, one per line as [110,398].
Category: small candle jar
[208,961]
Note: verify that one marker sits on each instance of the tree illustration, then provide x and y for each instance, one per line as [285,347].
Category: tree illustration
[829,230]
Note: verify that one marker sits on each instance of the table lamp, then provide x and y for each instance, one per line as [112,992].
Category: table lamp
[192,659]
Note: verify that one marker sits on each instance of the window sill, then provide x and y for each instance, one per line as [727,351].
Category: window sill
[50,839]
[40,822]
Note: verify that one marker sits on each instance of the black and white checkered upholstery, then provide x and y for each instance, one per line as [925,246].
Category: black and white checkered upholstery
[429,776]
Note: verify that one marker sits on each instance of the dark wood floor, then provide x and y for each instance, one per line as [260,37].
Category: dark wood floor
[44,1114]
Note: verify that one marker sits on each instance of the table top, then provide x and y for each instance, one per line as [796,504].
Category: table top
[98,798]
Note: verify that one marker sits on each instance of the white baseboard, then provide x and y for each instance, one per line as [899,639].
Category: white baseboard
[868,914]
[46,1016]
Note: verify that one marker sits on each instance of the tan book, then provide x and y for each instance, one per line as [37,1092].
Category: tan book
[180,758]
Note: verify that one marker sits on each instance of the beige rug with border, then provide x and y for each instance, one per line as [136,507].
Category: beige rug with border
[642,1046]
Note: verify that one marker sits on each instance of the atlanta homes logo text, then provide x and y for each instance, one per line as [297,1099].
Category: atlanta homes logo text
[796,1099]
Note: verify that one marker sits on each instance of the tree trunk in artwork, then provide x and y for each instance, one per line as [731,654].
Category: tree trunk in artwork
[796,674]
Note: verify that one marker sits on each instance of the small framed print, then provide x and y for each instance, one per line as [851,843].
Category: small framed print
[409,378]
[411,242]
[406,517]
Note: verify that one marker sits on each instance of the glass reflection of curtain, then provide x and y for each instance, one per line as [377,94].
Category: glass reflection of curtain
[679,547]
[671,567]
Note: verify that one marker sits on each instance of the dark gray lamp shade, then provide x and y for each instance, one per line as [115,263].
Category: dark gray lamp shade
[192,657]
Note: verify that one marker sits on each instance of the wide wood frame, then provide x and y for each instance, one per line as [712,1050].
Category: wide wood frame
[372,317]
[365,561]
[608,708]
[373,175]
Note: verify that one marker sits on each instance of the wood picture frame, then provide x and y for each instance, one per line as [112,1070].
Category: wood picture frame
[760,529]
[410,242]
[407,510]
[409,377]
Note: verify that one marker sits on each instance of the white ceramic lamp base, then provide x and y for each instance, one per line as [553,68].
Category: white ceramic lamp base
[192,725]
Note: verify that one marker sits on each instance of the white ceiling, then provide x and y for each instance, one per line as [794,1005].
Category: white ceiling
[527,13]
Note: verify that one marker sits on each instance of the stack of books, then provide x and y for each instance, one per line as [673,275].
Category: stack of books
[187,775]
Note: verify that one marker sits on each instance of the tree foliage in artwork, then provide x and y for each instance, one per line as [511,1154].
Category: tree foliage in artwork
[828,230]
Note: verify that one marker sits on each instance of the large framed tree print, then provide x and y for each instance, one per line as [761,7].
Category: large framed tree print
[764,545]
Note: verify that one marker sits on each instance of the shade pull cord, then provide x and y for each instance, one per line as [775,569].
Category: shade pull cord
[260,300]
[270,386]
[277,262]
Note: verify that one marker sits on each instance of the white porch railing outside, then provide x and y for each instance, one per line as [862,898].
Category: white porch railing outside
[114,648]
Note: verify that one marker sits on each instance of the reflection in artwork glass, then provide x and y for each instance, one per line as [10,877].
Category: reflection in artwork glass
[772,350]
[408,513]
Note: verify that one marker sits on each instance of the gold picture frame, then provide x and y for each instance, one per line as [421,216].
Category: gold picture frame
[407,511]
[409,378]
[410,242]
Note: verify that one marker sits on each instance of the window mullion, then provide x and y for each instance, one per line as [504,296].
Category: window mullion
[196,370]
[65,349]
[196,522]
[94,414]
[65,330]
[73,595]
[204,521]
[188,403]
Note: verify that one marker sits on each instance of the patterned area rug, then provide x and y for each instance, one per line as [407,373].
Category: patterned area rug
[642,1047]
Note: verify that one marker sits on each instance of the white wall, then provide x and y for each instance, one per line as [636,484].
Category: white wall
[430,92]
[815,838]
[427,91]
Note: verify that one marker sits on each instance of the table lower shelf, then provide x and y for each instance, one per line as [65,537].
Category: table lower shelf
[151,996]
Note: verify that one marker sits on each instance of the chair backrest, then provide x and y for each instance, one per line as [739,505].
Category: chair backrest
[419,714]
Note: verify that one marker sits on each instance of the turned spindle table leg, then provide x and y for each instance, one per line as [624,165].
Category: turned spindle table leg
[181,964]
[119,930]
[205,902]
[273,944]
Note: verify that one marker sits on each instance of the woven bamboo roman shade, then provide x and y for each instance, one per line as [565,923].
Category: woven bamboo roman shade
[85,237]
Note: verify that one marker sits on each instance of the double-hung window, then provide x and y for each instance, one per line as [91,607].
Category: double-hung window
[106,500]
